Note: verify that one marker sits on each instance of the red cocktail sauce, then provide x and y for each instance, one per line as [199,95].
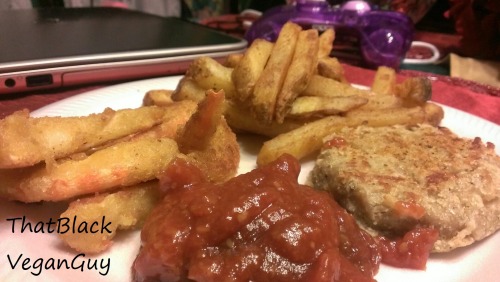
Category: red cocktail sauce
[259,226]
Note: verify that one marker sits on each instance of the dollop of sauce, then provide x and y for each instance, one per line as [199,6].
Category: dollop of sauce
[410,251]
[259,226]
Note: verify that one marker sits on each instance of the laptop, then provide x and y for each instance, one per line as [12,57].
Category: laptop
[60,47]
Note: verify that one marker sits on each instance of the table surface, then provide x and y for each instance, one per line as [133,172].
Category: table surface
[477,99]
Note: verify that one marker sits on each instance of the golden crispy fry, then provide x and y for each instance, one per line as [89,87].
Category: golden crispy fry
[202,124]
[378,102]
[415,90]
[434,114]
[384,82]
[210,74]
[26,141]
[241,120]
[157,98]
[326,43]
[299,142]
[249,69]
[263,98]
[430,113]
[188,89]
[331,68]
[327,87]
[232,60]
[124,209]
[302,67]
[308,139]
[311,106]
[122,164]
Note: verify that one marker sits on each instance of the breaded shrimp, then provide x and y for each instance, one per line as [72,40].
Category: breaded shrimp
[208,141]
[25,141]
[123,209]
[123,164]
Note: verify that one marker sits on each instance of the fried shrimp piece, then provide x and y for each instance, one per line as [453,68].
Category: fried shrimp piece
[27,141]
[209,142]
[217,156]
[174,119]
[176,116]
[123,164]
[220,159]
[124,209]
[202,125]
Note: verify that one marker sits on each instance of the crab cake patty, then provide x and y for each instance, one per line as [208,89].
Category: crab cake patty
[393,179]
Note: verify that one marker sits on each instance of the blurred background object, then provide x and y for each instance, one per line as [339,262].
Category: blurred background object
[156,7]
[478,24]
[415,9]
[481,71]
[15,4]
[467,28]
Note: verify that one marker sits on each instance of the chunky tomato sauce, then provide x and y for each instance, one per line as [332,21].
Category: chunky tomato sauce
[410,251]
[260,226]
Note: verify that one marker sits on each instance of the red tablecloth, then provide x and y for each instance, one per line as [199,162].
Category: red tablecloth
[480,100]
[468,96]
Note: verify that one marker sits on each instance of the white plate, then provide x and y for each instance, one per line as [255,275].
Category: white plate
[477,262]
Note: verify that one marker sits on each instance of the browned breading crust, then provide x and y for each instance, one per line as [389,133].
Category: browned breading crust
[395,178]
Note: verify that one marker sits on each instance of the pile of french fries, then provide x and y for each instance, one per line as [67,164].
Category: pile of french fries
[295,93]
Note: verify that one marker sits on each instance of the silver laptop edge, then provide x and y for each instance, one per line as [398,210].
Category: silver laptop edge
[64,76]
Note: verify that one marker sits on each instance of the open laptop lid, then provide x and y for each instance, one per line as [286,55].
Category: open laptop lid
[47,48]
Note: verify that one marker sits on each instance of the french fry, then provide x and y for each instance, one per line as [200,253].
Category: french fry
[326,43]
[250,67]
[378,102]
[330,67]
[434,114]
[301,141]
[232,60]
[158,97]
[267,87]
[327,87]
[240,120]
[304,62]
[311,106]
[210,74]
[415,90]
[384,82]
[385,117]
[308,139]
[124,209]
[187,89]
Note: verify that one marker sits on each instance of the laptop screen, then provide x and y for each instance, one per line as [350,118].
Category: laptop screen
[88,34]
[47,48]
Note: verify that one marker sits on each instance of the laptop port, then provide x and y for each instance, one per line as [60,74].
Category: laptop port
[39,80]
[9,82]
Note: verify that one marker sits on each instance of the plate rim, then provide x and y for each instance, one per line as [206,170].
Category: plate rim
[402,273]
